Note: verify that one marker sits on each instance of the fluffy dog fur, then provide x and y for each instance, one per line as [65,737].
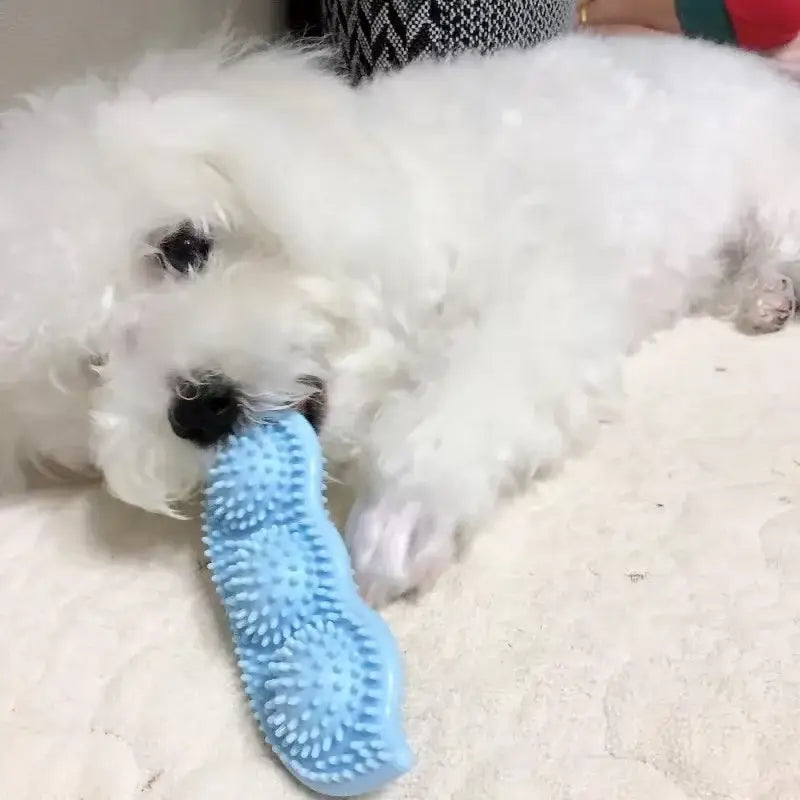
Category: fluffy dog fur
[462,252]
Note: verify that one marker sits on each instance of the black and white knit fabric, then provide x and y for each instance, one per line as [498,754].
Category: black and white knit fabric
[375,35]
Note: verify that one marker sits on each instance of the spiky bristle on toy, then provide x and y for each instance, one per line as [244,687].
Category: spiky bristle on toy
[321,669]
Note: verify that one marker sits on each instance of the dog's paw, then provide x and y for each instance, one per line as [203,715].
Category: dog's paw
[396,547]
[769,310]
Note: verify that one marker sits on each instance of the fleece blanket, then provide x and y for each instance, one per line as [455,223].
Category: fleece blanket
[627,630]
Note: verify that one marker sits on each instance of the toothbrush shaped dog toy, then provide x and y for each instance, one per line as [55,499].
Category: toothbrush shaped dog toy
[321,669]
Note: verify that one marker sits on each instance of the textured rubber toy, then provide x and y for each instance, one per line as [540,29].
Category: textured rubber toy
[321,669]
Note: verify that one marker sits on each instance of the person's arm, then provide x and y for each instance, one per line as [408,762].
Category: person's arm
[770,27]
[629,15]
[762,25]
[787,58]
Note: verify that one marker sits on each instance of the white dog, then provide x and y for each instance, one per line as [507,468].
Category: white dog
[454,258]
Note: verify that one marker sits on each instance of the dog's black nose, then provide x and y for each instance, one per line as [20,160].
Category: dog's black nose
[204,411]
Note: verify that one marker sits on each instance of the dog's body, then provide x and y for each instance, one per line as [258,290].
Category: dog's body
[462,253]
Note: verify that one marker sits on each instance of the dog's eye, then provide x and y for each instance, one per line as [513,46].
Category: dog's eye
[185,249]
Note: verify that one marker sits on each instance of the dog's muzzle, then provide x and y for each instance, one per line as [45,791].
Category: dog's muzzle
[207,409]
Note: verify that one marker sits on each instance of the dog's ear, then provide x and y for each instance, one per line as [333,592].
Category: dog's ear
[171,146]
[265,163]
[284,138]
[181,125]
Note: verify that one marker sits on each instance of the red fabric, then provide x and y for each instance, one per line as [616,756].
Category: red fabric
[764,24]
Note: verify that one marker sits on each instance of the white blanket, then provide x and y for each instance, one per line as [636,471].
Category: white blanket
[629,630]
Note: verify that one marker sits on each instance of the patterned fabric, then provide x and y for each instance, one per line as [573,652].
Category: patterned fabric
[376,35]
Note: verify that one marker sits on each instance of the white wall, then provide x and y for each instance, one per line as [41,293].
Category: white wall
[49,41]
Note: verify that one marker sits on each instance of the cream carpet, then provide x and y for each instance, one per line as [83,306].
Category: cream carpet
[629,630]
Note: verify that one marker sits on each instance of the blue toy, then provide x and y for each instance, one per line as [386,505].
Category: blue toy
[321,669]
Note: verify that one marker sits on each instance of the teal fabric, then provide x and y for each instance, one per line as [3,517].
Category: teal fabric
[705,19]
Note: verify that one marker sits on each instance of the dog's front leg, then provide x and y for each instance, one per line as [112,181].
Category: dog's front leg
[398,544]
[435,463]
[414,495]
[515,391]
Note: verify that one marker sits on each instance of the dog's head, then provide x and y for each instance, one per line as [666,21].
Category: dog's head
[208,272]
[230,332]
